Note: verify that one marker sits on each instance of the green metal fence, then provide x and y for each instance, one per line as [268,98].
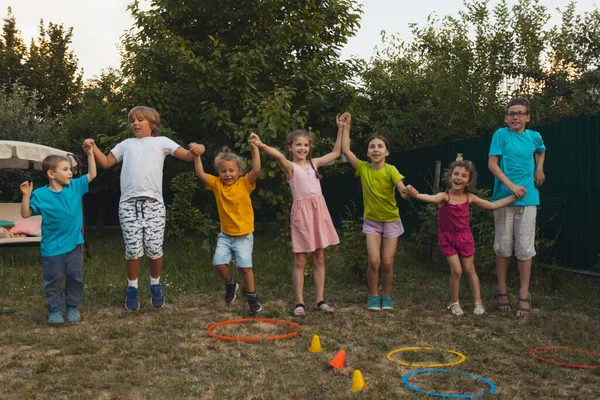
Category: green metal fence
[569,210]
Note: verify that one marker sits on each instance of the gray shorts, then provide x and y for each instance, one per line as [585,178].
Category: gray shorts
[515,230]
[143,224]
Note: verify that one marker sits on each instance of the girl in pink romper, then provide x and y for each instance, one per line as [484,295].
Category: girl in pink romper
[312,228]
[454,232]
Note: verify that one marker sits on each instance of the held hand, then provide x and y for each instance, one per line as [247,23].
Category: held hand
[539,177]
[88,144]
[518,191]
[347,118]
[411,191]
[26,188]
[339,121]
[254,139]
[197,149]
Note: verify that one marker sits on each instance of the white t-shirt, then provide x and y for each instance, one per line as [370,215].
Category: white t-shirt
[143,160]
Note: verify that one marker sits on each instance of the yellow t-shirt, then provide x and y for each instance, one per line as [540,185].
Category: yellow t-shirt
[234,205]
[378,189]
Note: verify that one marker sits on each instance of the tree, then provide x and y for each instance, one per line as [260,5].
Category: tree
[51,70]
[12,53]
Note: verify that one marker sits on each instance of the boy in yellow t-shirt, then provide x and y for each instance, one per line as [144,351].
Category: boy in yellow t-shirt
[232,192]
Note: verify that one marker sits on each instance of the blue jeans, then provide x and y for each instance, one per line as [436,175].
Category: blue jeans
[53,269]
[240,246]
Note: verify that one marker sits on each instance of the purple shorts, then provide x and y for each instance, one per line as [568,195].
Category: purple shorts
[388,230]
[460,243]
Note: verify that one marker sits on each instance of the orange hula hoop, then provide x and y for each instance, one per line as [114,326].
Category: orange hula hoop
[253,339]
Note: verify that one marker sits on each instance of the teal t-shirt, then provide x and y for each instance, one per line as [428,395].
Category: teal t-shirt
[516,160]
[61,216]
[378,191]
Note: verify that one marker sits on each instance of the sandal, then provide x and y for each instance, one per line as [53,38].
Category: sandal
[525,309]
[299,310]
[322,306]
[499,305]
[455,308]
[479,309]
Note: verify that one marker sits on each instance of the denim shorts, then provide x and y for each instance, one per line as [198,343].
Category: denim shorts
[388,230]
[240,246]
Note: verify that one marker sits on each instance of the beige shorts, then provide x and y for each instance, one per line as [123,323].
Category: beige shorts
[515,229]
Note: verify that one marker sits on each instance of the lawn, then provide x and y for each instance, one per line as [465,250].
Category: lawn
[167,353]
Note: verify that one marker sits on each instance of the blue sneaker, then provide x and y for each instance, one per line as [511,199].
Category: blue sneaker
[158,300]
[55,317]
[386,303]
[373,303]
[131,300]
[73,315]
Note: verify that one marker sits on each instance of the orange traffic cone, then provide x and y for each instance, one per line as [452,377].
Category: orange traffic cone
[315,345]
[358,383]
[337,362]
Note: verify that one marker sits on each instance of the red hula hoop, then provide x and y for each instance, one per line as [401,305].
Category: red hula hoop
[532,352]
[253,339]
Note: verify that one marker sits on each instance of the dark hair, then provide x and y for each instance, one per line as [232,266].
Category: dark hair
[51,162]
[149,114]
[519,101]
[384,140]
[227,155]
[290,140]
[466,164]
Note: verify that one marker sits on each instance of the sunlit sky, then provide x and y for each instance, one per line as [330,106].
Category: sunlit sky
[99,24]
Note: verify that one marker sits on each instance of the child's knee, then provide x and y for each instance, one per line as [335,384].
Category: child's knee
[386,266]
[456,273]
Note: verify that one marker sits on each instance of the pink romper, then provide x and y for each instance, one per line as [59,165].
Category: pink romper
[311,223]
[454,231]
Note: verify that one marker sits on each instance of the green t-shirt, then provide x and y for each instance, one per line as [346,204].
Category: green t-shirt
[378,191]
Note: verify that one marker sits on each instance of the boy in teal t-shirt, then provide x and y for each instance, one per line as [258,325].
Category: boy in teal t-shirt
[516,159]
[59,204]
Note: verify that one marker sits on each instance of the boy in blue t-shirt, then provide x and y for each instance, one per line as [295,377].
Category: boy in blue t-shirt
[59,204]
[516,159]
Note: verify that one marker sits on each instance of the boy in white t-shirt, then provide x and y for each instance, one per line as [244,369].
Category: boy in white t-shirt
[141,207]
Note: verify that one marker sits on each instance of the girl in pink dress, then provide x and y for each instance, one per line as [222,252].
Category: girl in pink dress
[454,231]
[312,228]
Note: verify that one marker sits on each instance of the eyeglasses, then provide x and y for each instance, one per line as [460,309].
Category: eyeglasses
[516,113]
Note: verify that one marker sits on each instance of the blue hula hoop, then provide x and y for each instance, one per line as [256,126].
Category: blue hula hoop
[450,396]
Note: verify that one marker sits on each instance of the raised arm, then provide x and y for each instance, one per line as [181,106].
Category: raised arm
[197,150]
[492,205]
[337,148]
[285,164]
[431,198]
[88,147]
[494,168]
[539,168]
[184,155]
[101,159]
[253,174]
[26,189]
[352,159]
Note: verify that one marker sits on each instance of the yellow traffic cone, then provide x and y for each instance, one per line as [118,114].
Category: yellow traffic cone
[358,383]
[315,345]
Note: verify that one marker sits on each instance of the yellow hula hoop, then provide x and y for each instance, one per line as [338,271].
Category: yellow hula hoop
[461,356]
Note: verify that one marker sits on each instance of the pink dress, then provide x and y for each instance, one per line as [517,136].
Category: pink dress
[311,223]
[454,231]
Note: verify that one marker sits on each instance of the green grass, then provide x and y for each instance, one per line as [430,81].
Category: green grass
[167,353]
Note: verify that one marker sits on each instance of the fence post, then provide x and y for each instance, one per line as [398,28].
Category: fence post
[436,189]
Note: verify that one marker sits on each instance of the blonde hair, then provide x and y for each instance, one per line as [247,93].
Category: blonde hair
[466,164]
[290,140]
[227,155]
[149,114]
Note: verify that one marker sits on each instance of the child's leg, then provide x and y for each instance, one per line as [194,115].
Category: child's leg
[373,250]
[469,268]
[74,277]
[53,269]
[133,269]
[318,260]
[455,274]
[387,262]
[298,276]
[155,267]
[154,221]
[248,277]
[223,271]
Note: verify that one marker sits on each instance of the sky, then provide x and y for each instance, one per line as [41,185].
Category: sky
[99,24]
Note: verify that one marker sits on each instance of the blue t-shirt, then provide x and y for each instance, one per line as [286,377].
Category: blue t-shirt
[516,160]
[61,216]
